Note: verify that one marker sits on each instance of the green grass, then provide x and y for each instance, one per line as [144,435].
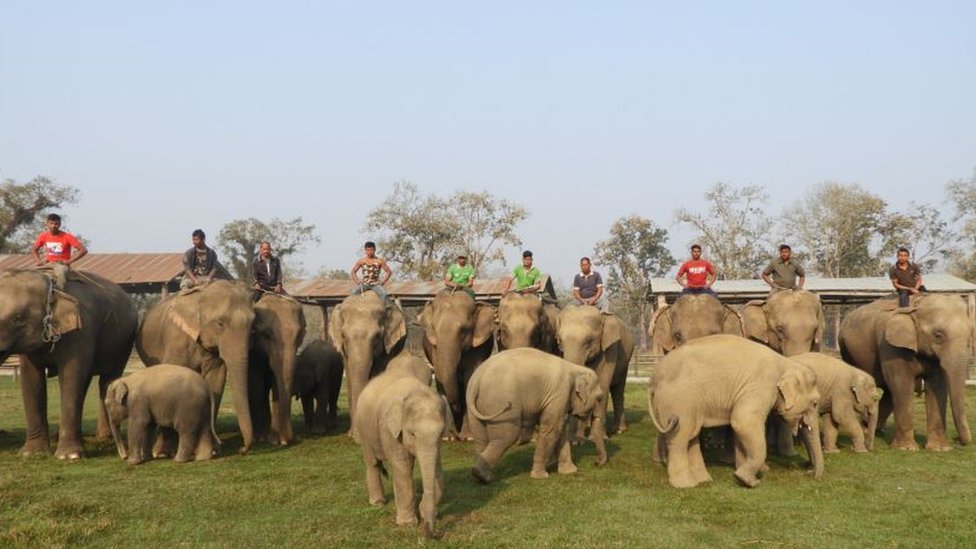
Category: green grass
[312,493]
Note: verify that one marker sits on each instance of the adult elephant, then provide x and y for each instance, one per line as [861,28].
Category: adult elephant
[789,321]
[278,331]
[525,321]
[458,336]
[691,316]
[929,340]
[206,329]
[74,325]
[367,331]
[601,342]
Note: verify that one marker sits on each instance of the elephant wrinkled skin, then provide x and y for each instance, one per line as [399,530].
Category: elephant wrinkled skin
[168,396]
[399,419]
[514,391]
[458,337]
[208,330]
[97,323]
[691,316]
[524,320]
[930,340]
[789,321]
[277,333]
[728,380]
[318,380]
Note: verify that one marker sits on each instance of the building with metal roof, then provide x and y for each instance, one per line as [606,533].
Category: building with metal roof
[327,292]
[145,273]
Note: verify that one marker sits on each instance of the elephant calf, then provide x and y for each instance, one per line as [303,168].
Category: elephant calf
[165,395]
[848,398]
[399,419]
[318,380]
[518,389]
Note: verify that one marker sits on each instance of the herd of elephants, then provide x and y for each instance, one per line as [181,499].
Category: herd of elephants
[498,375]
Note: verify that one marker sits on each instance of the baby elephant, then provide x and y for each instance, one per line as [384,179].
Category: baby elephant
[165,395]
[399,419]
[848,398]
[517,389]
[318,380]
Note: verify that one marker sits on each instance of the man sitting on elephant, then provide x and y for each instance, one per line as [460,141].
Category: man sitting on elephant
[526,279]
[906,277]
[460,276]
[371,265]
[696,275]
[199,262]
[57,244]
[588,285]
[266,270]
[784,273]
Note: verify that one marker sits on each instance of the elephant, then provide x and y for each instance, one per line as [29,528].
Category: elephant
[458,337]
[931,340]
[276,335]
[848,398]
[600,341]
[789,321]
[691,316]
[318,380]
[399,419]
[524,320]
[515,390]
[72,324]
[367,331]
[167,395]
[728,380]
[208,330]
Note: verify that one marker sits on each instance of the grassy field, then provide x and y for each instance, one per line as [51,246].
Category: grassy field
[312,493]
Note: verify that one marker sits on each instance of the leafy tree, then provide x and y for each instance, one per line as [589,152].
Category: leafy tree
[923,231]
[962,195]
[422,234]
[735,231]
[239,240]
[22,206]
[331,274]
[842,229]
[635,252]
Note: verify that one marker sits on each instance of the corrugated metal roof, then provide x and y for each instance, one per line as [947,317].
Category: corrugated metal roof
[334,291]
[123,269]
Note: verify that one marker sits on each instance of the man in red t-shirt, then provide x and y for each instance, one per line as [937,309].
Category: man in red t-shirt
[698,274]
[57,244]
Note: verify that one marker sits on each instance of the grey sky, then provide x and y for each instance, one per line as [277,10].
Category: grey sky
[172,116]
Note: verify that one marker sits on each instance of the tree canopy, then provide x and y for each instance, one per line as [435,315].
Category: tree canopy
[22,206]
[239,240]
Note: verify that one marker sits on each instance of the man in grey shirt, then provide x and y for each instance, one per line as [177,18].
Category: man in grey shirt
[588,285]
[784,273]
[199,262]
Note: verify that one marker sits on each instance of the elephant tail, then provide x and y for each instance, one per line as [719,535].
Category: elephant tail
[482,417]
[672,421]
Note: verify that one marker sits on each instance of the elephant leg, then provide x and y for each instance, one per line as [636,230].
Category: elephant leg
[829,431]
[751,437]
[902,390]
[216,378]
[308,411]
[166,444]
[281,416]
[404,493]
[204,449]
[33,389]
[619,417]
[598,435]
[187,446]
[500,437]
[565,465]
[74,386]
[696,462]
[551,432]
[679,466]
[257,400]
[324,414]
[374,480]
[936,400]
[104,430]
[885,408]
[139,437]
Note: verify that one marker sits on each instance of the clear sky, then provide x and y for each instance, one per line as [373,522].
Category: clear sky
[175,115]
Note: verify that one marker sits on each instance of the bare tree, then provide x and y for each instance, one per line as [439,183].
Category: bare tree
[735,232]
[486,225]
[921,229]
[962,194]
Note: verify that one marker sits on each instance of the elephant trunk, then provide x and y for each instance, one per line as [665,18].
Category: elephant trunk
[810,434]
[286,378]
[430,471]
[116,427]
[236,363]
[358,361]
[447,357]
[955,376]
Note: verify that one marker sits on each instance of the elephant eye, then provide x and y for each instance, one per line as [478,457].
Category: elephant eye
[677,336]
[19,318]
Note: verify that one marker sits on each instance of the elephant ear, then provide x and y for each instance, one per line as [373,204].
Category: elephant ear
[581,392]
[864,392]
[789,390]
[732,322]
[754,321]
[395,329]
[484,324]
[335,328]
[119,392]
[660,331]
[394,418]
[185,314]
[612,331]
[427,321]
[67,315]
[900,332]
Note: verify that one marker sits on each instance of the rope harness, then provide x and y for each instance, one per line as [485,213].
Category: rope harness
[49,330]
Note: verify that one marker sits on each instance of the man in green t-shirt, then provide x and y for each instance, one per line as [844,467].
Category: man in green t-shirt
[460,276]
[526,279]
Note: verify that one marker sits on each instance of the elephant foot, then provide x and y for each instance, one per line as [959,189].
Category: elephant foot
[620,429]
[536,473]
[377,502]
[833,450]
[683,482]
[938,446]
[904,444]
[69,453]
[160,454]
[133,460]
[763,469]
[567,468]
[600,461]
[703,477]
[406,520]
[748,480]
[860,449]
[36,447]
[482,474]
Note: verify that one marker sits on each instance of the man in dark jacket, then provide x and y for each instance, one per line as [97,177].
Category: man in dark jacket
[267,272]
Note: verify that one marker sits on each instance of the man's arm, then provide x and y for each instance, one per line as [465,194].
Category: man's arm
[918,279]
[577,296]
[766,278]
[355,269]
[212,258]
[800,281]
[256,273]
[386,269]
[681,274]
[278,277]
[37,246]
[599,293]
[188,266]
[711,276]
[82,251]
